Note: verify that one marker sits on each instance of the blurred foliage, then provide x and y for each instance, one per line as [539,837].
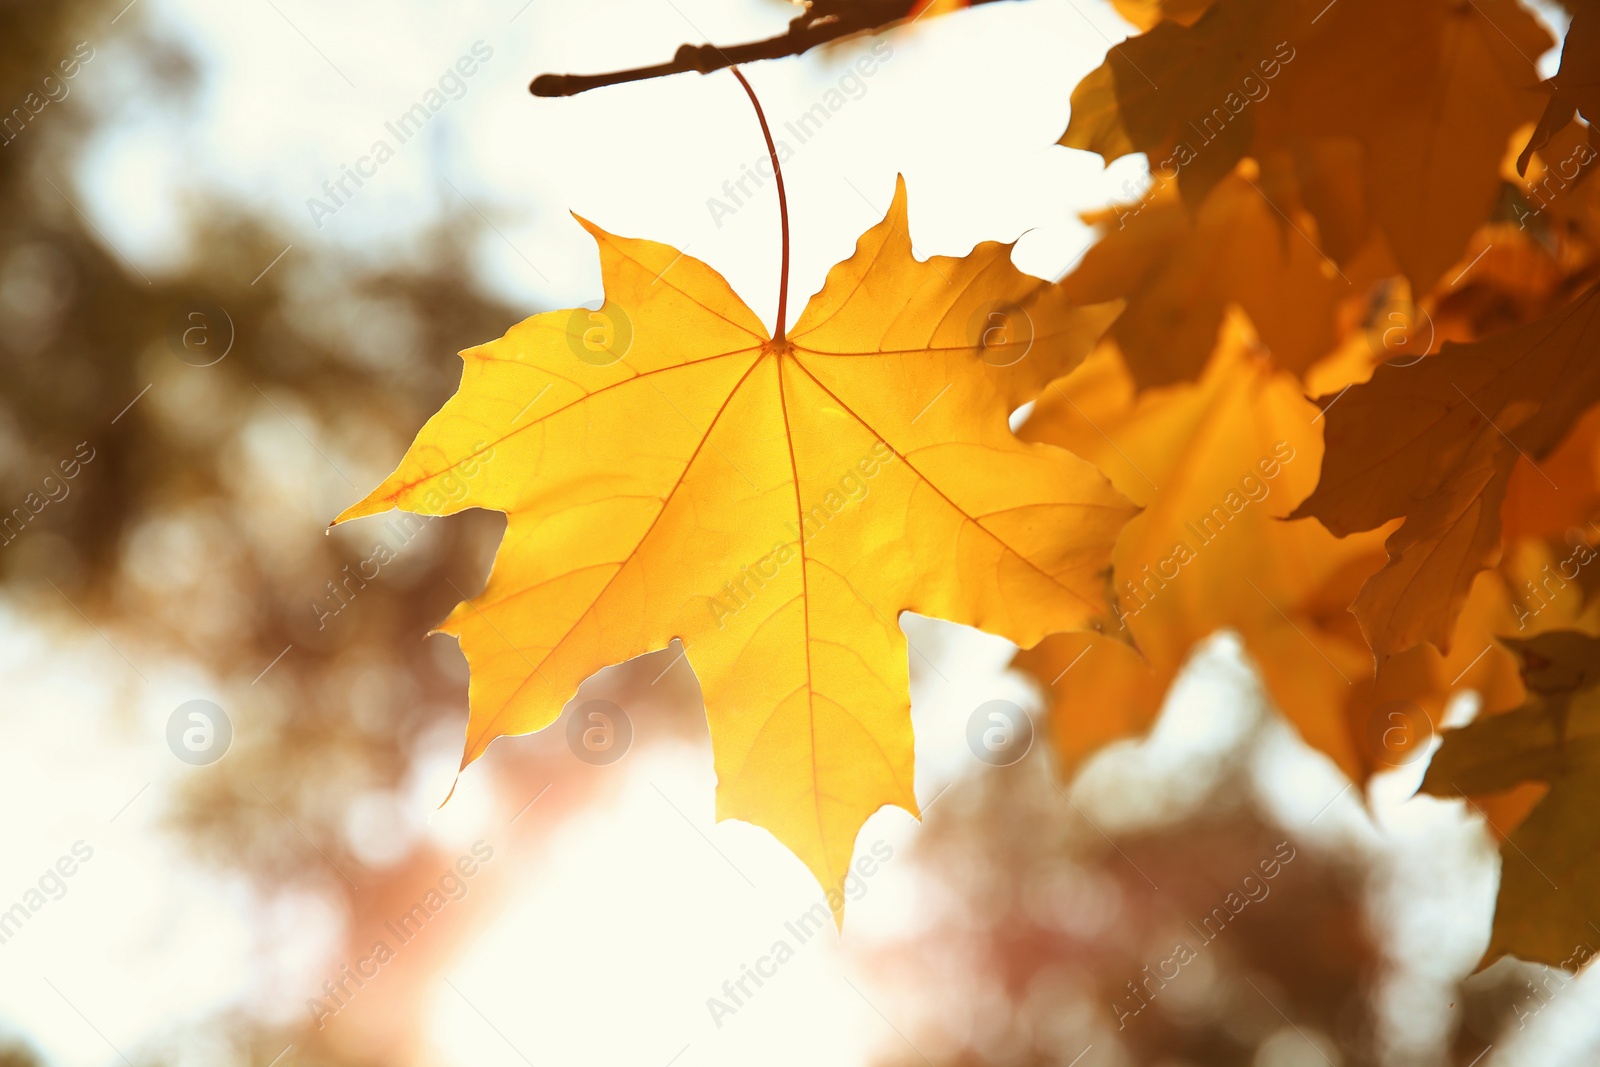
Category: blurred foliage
[1058,933]
[195,534]
[1067,933]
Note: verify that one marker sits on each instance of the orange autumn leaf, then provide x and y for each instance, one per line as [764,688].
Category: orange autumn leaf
[1181,271]
[935,7]
[1153,89]
[1216,465]
[1536,508]
[1434,100]
[1429,104]
[1575,89]
[1190,565]
[1435,443]
[1146,13]
[669,471]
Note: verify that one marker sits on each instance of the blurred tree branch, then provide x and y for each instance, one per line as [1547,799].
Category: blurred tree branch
[821,22]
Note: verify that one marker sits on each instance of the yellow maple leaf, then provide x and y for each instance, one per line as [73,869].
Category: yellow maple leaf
[1216,465]
[671,471]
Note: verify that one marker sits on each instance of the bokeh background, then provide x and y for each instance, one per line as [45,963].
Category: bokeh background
[239,365]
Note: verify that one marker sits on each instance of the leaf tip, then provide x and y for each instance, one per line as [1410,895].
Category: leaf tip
[367,505]
[593,230]
[897,206]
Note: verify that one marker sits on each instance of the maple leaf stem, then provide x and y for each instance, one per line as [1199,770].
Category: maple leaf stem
[823,21]
[783,206]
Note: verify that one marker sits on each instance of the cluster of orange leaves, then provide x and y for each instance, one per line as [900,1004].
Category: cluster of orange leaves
[1337,209]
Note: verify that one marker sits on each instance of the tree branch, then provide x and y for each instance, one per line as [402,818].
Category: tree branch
[822,21]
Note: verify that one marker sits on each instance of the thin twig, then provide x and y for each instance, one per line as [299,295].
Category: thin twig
[823,21]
